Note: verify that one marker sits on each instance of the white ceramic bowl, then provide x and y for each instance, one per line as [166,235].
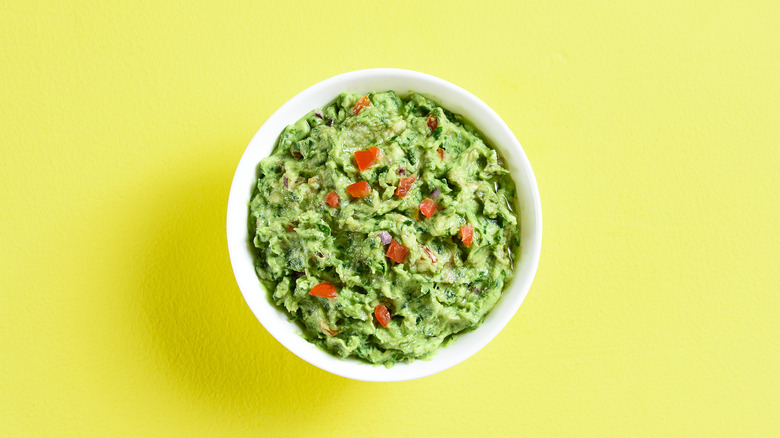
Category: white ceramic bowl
[454,99]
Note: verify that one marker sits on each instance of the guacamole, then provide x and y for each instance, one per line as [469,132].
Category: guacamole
[384,226]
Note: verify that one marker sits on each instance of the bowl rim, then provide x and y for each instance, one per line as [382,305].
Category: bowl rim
[456,99]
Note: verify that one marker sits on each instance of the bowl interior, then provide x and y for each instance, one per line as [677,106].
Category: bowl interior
[456,100]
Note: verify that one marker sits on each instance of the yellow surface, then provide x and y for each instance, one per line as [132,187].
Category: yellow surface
[653,128]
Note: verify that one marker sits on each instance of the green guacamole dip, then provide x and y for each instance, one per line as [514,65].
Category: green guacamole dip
[334,269]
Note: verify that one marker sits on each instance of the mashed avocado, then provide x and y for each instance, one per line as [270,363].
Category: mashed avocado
[383,226]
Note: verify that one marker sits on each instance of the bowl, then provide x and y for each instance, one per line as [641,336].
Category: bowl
[451,97]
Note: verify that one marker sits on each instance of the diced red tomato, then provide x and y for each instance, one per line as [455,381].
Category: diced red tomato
[441,153]
[360,104]
[325,290]
[359,189]
[332,198]
[433,122]
[404,185]
[382,315]
[467,234]
[397,252]
[428,207]
[430,253]
[366,158]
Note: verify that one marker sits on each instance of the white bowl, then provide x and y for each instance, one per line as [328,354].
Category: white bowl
[451,97]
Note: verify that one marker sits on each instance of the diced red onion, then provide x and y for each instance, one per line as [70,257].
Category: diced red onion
[430,253]
[286,182]
[435,193]
[318,114]
[385,237]
[402,171]
[329,122]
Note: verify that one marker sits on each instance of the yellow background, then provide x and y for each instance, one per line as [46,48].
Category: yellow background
[653,128]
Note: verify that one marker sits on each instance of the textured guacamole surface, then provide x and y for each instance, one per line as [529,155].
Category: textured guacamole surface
[449,278]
